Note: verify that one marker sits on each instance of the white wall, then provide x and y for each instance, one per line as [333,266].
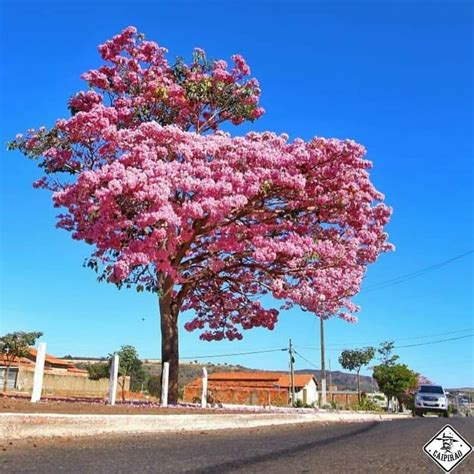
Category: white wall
[62,383]
[311,393]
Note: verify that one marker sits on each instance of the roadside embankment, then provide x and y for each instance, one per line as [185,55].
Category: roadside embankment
[34,425]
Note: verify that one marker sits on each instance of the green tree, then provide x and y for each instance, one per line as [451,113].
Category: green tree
[354,360]
[395,380]
[385,353]
[16,345]
[129,366]
[154,385]
[99,370]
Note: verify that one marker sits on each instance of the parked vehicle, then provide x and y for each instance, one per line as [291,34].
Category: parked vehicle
[464,402]
[431,399]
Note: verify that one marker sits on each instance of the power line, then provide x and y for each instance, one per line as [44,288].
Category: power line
[409,276]
[234,354]
[433,335]
[424,336]
[398,347]
[306,360]
[435,342]
[284,349]
[378,286]
[315,348]
[406,345]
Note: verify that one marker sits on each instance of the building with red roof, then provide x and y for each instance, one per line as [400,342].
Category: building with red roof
[254,388]
[61,377]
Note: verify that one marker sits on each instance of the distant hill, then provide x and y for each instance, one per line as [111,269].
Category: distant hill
[344,380]
[84,360]
[189,371]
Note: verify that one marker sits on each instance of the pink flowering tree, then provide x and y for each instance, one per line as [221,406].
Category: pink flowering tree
[207,222]
[422,380]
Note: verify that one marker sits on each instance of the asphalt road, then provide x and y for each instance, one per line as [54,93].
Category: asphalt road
[390,446]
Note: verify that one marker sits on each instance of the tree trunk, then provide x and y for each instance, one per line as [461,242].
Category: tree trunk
[400,404]
[123,388]
[169,342]
[358,386]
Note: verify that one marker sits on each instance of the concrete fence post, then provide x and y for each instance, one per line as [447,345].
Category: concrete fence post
[204,388]
[113,379]
[39,372]
[164,384]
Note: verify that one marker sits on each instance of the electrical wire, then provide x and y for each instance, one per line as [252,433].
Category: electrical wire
[339,345]
[285,349]
[378,286]
[434,342]
[234,354]
[306,360]
[313,348]
[397,347]
[409,276]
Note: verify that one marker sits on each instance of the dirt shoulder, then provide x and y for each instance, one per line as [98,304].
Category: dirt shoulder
[23,405]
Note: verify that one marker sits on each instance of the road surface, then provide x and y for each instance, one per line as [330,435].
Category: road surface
[388,446]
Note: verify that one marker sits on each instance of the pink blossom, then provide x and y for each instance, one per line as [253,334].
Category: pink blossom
[213,220]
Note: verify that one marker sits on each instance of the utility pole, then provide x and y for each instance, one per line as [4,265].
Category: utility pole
[292,372]
[323,364]
[330,378]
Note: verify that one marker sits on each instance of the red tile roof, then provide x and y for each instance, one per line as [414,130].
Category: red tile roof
[301,380]
[49,359]
[22,360]
[52,360]
[255,379]
[77,371]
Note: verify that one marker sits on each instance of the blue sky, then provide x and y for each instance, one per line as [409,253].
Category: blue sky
[395,76]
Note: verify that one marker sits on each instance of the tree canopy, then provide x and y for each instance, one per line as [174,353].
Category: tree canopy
[130,365]
[207,221]
[16,345]
[355,359]
[394,380]
[98,370]
[385,353]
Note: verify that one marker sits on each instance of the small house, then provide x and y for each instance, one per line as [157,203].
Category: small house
[61,377]
[254,388]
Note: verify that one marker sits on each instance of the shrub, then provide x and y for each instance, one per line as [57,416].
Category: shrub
[364,405]
[154,385]
[409,401]
[300,404]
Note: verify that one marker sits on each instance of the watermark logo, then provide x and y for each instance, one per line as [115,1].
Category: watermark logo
[447,448]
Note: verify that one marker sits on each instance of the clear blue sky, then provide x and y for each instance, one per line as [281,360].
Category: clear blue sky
[395,76]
